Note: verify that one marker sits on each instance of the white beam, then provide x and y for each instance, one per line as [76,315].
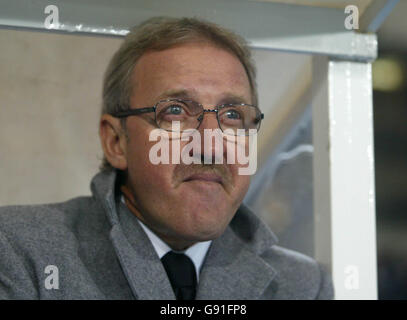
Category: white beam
[344,193]
[277,26]
[346,45]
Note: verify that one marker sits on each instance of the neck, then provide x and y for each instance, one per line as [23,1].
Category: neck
[174,244]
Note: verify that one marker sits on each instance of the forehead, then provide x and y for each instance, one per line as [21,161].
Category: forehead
[200,68]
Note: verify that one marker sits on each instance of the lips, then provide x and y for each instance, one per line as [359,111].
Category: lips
[209,177]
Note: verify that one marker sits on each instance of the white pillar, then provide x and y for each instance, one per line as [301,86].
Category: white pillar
[344,193]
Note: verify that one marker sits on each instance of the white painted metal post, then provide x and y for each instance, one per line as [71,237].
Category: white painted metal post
[344,206]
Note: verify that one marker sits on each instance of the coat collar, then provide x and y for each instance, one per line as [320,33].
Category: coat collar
[142,268]
[233,268]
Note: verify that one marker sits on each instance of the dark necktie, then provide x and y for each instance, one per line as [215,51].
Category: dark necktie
[181,272]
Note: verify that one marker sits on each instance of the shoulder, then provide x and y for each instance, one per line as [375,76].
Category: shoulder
[288,260]
[34,237]
[34,214]
[44,223]
[298,276]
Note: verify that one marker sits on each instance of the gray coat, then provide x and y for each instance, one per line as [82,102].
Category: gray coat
[101,252]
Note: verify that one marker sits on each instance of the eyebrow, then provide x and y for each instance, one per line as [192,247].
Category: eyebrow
[227,98]
[177,93]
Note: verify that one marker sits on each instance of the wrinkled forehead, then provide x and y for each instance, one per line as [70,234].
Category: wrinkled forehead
[195,67]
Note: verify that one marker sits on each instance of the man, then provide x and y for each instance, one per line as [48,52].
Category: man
[161,231]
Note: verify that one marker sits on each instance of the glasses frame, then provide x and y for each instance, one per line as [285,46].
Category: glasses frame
[134,112]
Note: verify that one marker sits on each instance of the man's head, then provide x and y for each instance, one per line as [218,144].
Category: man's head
[176,58]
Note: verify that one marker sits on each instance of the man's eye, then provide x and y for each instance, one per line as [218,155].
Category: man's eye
[174,110]
[233,114]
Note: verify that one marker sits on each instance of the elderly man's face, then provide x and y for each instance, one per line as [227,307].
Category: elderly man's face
[182,203]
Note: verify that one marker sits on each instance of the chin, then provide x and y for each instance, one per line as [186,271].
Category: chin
[204,233]
[201,206]
[205,224]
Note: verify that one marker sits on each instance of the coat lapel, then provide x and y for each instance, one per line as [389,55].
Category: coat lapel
[142,267]
[141,264]
[233,271]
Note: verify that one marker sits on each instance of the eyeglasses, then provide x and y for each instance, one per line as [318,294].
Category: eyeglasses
[231,117]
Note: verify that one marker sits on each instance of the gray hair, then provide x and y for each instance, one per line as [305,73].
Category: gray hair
[162,33]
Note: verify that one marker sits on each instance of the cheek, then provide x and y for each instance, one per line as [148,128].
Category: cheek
[241,185]
[142,170]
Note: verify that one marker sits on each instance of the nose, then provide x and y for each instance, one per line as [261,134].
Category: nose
[208,119]
[213,147]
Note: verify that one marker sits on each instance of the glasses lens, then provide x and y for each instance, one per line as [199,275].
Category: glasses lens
[185,112]
[239,119]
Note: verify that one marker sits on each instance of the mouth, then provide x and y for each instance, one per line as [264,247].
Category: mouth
[205,177]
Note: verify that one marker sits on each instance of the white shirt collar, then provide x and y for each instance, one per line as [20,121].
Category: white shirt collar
[196,252]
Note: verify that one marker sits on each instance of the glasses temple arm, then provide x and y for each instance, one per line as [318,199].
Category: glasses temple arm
[132,112]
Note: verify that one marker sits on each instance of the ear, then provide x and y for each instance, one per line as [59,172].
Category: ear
[113,140]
